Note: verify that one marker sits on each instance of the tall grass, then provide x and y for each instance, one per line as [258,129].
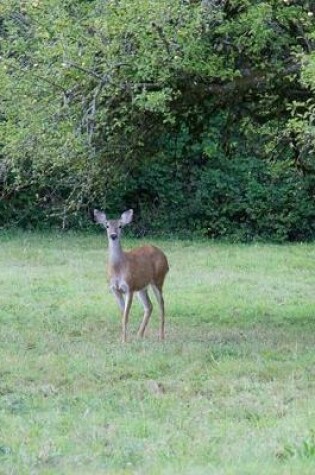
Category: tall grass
[230,391]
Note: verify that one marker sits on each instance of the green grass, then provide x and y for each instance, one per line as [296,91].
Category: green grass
[230,391]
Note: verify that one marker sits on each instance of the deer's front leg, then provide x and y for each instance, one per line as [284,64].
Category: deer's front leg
[119,297]
[128,302]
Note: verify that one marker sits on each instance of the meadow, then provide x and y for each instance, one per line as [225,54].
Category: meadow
[230,391]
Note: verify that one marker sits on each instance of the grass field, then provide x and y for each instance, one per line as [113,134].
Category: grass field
[230,391]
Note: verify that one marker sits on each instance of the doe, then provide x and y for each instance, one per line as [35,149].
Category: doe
[133,271]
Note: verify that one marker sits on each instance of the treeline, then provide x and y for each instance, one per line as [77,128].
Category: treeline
[198,114]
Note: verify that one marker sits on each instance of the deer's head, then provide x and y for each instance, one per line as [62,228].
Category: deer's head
[113,226]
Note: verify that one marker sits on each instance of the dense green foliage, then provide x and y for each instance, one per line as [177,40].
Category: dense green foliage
[199,114]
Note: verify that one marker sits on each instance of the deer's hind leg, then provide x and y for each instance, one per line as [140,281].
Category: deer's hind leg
[146,302]
[159,297]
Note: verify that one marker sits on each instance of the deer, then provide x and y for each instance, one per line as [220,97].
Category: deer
[134,271]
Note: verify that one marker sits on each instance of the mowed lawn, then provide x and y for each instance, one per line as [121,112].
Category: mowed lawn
[230,391]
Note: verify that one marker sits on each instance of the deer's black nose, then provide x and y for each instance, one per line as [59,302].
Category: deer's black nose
[113,236]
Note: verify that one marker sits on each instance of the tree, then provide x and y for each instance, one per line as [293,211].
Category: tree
[136,102]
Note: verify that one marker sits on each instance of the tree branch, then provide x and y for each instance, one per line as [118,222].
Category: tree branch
[162,36]
[48,81]
[249,80]
[85,70]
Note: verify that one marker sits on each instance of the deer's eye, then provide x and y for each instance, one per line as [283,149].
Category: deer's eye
[120,226]
[107,226]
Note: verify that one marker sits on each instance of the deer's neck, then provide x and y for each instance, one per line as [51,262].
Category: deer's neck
[116,254]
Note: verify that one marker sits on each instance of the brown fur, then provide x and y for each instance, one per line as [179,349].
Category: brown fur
[141,267]
[133,271]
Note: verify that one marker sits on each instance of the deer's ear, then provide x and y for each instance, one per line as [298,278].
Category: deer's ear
[126,217]
[99,217]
